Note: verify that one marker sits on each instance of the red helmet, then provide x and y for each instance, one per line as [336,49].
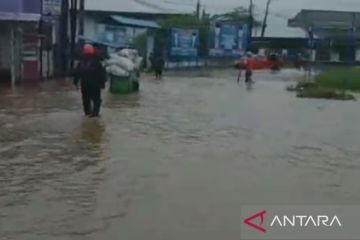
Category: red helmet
[88,50]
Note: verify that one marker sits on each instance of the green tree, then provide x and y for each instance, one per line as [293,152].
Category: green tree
[239,14]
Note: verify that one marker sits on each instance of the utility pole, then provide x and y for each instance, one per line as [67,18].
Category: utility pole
[81,17]
[250,23]
[73,28]
[265,18]
[63,33]
[198,7]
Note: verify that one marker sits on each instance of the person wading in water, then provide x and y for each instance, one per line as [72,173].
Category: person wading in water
[92,77]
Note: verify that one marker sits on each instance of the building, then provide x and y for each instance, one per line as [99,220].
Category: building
[19,23]
[337,34]
[125,20]
[28,33]
[123,29]
[117,28]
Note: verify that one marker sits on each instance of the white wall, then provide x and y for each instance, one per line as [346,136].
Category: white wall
[334,56]
[48,64]
[90,27]
[357,56]
[5,49]
[132,32]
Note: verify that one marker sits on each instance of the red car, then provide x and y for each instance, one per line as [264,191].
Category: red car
[259,62]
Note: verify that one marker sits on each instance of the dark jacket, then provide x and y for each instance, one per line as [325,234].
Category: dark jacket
[159,63]
[90,73]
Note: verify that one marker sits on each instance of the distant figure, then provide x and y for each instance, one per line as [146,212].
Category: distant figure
[240,38]
[217,36]
[158,66]
[194,40]
[176,40]
[248,66]
[152,61]
[92,77]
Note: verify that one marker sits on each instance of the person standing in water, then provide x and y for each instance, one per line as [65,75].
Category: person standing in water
[248,66]
[159,63]
[92,77]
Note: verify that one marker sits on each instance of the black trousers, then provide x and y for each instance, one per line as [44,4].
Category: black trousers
[248,75]
[91,98]
[158,72]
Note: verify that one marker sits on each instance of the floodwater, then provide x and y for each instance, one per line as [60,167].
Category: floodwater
[176,161]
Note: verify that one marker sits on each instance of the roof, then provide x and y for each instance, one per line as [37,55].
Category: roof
[278,27]
[135,22]
[327,23]
[22,17]
[325,19]
[139,6]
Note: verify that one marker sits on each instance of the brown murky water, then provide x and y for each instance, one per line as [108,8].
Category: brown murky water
[176,161]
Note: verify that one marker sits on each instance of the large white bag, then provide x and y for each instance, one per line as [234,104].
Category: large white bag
[131,54]
[138,63]
[126,64]
[122,62]
[114,59]
[117,71]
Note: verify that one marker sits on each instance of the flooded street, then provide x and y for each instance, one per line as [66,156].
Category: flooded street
[175,162]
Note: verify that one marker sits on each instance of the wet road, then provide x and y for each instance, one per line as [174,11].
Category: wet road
[175,162]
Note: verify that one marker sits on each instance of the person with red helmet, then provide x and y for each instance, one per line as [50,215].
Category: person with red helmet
[248,66]
[92,77]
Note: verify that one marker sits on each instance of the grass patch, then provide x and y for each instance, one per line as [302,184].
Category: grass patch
[314,90]
[324,93]
[301,86]
[340,79]
[330,84]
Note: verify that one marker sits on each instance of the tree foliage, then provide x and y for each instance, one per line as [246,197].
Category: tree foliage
[239,14]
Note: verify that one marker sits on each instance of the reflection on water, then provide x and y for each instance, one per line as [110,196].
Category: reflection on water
[175,161]
[123,101]
[92,130]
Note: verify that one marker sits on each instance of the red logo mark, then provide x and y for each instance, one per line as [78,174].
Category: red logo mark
[260,215]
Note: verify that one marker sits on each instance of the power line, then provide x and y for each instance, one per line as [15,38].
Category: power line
[223,7]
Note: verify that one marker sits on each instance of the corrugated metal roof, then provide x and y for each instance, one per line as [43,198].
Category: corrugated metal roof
[138,6]
[278,27]
[326,19]
[328,23]
[135,22]
[22,17]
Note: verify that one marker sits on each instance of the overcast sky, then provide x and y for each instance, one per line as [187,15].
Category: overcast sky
[280,10]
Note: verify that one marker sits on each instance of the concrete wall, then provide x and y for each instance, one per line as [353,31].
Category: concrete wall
[10,5]
[334,56]
[31,6]
[48,64]
[357,55]
[18,6]
[132,32]
[5,49]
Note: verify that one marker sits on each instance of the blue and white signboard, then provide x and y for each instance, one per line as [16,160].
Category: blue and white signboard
[51,7]
[228,39]
[184,42]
